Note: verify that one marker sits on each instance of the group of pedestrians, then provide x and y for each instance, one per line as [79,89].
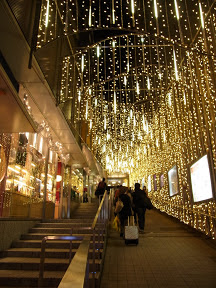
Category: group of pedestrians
[133,203]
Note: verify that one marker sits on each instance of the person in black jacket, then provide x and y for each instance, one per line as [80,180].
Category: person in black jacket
[140,207]
[126,210]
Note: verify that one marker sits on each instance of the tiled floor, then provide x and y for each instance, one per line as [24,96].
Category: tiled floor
[168,255]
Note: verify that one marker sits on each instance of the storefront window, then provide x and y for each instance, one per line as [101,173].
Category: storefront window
[24,189]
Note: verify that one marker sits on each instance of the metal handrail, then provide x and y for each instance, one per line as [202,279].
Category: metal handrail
[98,211]
[43,248]
[71,238]
[78,267]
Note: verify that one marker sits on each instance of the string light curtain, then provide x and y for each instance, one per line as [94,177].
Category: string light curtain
[151,76]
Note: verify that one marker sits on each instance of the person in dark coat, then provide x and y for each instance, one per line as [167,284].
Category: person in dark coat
[140,208]
[126,210]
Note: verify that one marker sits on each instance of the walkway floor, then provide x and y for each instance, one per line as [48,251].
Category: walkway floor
[168,255]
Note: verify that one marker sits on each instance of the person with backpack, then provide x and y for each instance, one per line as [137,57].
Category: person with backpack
[101,188]
[141,202]
[125,210]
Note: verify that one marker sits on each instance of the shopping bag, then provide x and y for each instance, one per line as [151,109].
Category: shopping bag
[119,206]
[116,224]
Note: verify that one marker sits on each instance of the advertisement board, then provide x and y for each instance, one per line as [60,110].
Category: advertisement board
[161,180]
[201,180]
[143,182]
[155,182]
[173,181]
[149,183]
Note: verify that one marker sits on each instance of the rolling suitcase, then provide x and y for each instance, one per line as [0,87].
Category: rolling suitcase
[131,233]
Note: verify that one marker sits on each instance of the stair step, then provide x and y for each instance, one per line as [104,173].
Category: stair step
[66,225]
[38,236]
[59,230]
[52,244]
[16,278]
[49,253]
[57,221]
[51,264]
[20,265]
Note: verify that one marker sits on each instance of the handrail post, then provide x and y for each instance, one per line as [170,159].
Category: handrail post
[42,260]
[94,268]
[99,241]
[87,274]
[70,249]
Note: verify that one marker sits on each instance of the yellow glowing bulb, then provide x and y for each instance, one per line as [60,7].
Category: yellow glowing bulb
[176,8]
[128,66]
[105,123]
[79,96]
[113,12]
[114,102]
[125,80]
[175,65]
[134,121]
[90,16]
[137,88]
[201,16]
[148,83]
[82,63]
[132,6]
[47,14]
[98,51]
[155,8]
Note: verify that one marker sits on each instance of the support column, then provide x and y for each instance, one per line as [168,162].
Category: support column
[45,185]
[69,194]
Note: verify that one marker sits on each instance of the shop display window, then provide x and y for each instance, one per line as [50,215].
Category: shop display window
[26,169]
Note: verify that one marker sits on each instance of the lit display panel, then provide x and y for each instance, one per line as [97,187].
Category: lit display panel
[173,181]
[201,180]
[149,183]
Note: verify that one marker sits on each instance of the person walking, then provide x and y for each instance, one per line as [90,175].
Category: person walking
[101,188]
[126,210]
[139,206]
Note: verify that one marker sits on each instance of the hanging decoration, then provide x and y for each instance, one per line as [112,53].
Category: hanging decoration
[152,100]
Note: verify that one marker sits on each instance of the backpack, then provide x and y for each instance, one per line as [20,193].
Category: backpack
[101,185]
[146,202]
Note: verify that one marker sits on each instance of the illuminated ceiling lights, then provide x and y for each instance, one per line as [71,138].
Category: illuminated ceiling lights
[176,9]
[143,81]
[201,16]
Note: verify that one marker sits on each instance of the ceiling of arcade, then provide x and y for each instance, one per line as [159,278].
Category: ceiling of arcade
[126,69]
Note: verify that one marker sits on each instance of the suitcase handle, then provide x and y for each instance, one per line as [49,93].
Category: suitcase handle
[129,220]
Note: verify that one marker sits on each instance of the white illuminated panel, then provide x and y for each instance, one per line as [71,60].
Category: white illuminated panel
[149,183]
[173,181]
[201,180]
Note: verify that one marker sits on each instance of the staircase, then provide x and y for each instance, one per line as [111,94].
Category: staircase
[19,265]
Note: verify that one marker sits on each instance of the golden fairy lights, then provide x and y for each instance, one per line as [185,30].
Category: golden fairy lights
[152,98]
